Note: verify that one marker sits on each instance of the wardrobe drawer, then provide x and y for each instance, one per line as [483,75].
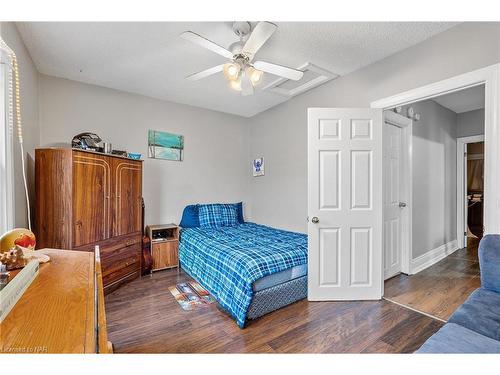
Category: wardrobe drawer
[112,256]
[115,274]
[113,243]
[120,258]
[108,269]
[108,288]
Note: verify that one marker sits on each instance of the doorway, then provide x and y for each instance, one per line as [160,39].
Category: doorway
[489,77]
[470,189]
[475,189]
[448,208]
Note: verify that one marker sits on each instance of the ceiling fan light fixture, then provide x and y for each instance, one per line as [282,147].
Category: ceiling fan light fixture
[231,71]
[255,75]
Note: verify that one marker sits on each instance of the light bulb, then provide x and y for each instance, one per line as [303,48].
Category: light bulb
[254,75]
[231,71]
[235,84]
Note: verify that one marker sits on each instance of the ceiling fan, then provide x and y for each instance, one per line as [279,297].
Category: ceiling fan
[242,74]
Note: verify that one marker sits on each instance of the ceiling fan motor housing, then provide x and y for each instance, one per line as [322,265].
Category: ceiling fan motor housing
[237,47]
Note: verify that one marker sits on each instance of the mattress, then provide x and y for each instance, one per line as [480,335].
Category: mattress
[279,278]
[228,261]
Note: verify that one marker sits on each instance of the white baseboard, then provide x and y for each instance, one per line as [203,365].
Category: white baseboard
[432,257]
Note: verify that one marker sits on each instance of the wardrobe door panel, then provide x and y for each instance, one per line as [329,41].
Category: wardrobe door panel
[54,196]
[127,193]
[91,198]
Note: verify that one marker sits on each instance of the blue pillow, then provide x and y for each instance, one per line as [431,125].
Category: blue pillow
[190,217]
[217,215]
[239,209]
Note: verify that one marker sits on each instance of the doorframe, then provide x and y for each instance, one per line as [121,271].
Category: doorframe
[490,78]
[407,177]
[461,186]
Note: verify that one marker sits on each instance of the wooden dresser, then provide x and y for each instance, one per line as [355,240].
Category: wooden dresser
[85,199]
[59,312]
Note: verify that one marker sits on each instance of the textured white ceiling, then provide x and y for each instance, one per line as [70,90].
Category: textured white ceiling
[464,100]
[151,59]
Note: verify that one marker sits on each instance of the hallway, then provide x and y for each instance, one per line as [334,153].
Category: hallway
[441,288]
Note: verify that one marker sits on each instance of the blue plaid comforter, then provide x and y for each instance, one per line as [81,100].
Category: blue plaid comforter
[228,260]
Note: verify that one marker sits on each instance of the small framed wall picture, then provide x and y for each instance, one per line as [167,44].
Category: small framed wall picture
[258,167]
[166,146]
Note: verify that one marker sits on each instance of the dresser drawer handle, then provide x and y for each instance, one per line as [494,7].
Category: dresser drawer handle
[129,243]
[130,262]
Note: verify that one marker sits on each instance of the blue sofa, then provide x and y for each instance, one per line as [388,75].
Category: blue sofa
[475,326]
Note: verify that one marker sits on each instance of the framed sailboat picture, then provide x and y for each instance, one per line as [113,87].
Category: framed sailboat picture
[167,146]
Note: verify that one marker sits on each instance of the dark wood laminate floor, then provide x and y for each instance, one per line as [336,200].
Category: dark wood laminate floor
[143,317]
[440,289]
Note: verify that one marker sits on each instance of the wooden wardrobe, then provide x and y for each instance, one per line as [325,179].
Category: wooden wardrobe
[87,198]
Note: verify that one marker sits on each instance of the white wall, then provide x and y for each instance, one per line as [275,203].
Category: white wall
[470,123]
[280,134]
[29,114]
[215,166]
[434,166]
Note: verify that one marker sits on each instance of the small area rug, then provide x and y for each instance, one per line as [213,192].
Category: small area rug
[191,295]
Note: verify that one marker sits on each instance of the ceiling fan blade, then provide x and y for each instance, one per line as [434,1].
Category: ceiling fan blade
[246,85]
[205,43]
[205,73]
[260,34]
[279,70]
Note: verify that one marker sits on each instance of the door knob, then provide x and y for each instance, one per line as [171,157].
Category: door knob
[402,204]
[315,220]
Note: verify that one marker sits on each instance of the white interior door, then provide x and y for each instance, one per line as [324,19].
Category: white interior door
[396,185]
[345,204]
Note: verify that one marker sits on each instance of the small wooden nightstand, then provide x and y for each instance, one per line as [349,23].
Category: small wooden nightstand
[164,245]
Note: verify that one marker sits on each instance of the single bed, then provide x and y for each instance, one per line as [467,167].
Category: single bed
[250,269]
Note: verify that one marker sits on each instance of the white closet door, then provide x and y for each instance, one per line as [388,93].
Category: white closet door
[393,225]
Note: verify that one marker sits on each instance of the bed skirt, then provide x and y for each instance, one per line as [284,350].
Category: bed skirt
[278,296]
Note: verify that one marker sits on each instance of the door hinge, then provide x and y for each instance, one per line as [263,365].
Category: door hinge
[465,234]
